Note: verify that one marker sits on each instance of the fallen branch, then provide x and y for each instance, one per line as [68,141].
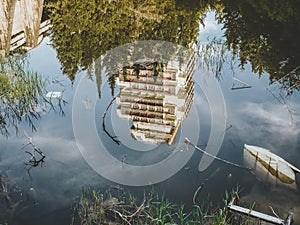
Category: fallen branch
[121,216]
[139,208]
[127,218]
[114,138]
[34,161]
[187,141]
[289,219]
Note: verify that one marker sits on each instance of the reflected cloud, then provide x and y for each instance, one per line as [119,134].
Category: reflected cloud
[276,116]
[268,123]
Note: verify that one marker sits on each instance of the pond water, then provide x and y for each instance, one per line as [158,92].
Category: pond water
[222,106]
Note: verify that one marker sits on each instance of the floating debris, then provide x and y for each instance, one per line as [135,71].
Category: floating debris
[269,167]
[242,84]
[54,94]
[197,192]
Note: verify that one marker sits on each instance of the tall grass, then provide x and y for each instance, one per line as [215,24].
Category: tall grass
[104,207]
[22,95]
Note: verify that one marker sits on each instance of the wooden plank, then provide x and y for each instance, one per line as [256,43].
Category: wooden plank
[242,87]
[256,214]
[170,141]
[289,219]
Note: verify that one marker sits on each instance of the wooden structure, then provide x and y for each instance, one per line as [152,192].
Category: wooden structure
[250,216]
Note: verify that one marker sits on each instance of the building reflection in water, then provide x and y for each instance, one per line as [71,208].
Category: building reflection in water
[156,98]
[20,25]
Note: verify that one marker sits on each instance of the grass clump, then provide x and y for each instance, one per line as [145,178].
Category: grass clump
[22,95]
[114,206]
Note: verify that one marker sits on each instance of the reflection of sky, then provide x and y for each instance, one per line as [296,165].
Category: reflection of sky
[64,172]
[255,110]
[256,118]
[210,30]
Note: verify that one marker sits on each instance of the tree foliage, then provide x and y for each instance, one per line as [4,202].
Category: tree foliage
[82,31]
[265,33]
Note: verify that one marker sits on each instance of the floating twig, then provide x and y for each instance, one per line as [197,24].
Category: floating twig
[275,214]
[139,208]
[289,219]
[123,217]
[197,192]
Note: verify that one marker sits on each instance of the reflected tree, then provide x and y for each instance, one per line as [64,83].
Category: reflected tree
[265,33]
[82,31]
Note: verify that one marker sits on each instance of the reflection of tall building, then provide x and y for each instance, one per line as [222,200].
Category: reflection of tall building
[155,98]
[20,25]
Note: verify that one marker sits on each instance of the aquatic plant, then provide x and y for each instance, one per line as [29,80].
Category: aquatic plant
[115,206]
[22,95]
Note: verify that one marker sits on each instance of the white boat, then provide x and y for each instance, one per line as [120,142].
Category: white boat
[269,167]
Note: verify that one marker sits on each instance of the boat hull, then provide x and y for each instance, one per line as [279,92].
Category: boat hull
[269,167]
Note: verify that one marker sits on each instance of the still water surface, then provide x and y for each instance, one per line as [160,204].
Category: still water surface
[262,115]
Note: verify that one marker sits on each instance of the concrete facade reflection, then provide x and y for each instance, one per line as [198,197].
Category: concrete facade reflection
[20,25]
[156,98]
